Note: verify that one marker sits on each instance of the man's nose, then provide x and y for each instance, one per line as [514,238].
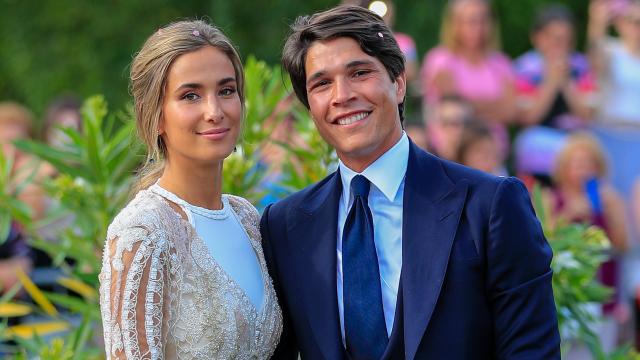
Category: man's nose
[342,91]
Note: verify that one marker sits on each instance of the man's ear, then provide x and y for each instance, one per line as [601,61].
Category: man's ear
[401,87]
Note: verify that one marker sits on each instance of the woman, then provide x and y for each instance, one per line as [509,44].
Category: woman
[183,272]
[582,195]
[556,91]
[467,64]
[616,61]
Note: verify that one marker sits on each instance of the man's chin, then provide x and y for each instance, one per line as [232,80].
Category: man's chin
[363,155]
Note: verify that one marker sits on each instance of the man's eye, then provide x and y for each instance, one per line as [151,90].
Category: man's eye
[359,73]
[319,84]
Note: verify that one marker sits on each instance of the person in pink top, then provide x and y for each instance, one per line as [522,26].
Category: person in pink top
[468,64]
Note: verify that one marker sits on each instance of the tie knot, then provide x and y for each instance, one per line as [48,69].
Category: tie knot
[360,186]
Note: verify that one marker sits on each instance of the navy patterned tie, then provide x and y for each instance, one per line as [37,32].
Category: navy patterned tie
[364,324]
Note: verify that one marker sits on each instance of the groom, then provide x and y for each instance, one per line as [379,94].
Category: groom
[398,255]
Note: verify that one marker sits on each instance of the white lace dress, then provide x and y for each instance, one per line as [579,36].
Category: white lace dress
[162,295]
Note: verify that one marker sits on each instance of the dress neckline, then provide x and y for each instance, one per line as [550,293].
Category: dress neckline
[205,256]
[220,214]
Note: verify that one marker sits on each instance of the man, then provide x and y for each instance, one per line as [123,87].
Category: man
[398,254]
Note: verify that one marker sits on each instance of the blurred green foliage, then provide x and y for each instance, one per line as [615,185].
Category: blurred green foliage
[94,173]
[10,207]
[85,47]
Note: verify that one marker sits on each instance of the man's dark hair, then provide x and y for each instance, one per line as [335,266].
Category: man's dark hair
[552,13]
[362,25]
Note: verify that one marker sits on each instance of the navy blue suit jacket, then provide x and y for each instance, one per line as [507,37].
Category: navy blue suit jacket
[476,278]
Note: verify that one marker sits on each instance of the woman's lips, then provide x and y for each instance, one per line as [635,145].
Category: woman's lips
[214,134]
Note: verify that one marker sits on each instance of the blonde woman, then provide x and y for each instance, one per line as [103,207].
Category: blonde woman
[183,273]
[582,195]
[468,64]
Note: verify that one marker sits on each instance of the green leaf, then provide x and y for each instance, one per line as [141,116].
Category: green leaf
[63,161]
[74,304]
[5,226]
[94,111]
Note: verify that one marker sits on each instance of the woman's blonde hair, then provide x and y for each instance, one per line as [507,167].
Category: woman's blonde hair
[575,141]
[149,71]
[447,28]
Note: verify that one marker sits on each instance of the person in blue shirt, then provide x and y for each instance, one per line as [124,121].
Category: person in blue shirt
[397,254]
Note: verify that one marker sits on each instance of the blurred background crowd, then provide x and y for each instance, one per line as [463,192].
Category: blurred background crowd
[548,91]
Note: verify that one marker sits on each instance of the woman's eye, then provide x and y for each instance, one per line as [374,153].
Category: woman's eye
[190,96]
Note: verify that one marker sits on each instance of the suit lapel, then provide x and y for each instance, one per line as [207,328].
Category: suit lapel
[431,212]
[314,228]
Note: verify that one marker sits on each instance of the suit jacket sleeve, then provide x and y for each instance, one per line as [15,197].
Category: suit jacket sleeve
[519,278]
[287,347]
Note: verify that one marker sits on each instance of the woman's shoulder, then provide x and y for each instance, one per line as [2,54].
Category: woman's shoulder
[437,60]
[610,194]
[499,58]
[143,225]
[530,61]
[613,46]
[146,211]
[243,207]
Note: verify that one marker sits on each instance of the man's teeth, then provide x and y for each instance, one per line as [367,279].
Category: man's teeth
[353,118]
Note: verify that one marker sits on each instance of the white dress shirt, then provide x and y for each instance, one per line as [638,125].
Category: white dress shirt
[386,175]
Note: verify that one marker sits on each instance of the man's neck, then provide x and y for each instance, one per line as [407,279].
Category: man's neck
[359,163]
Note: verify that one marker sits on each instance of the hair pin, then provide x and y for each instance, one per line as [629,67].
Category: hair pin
[195,33]
[380,34]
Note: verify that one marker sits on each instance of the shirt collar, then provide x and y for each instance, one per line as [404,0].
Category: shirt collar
[386,173]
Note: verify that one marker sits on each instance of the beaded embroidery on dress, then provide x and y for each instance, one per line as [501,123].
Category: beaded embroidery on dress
[162,295]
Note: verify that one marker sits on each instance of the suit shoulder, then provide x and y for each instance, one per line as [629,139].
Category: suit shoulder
[302,197]
[483,186]
[475,178]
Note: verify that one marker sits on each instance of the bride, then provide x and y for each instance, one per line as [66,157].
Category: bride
[183,273]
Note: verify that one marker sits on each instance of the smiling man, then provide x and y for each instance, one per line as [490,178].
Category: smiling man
[397,254]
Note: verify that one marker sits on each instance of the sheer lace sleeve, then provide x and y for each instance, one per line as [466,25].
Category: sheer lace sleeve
[133,291]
